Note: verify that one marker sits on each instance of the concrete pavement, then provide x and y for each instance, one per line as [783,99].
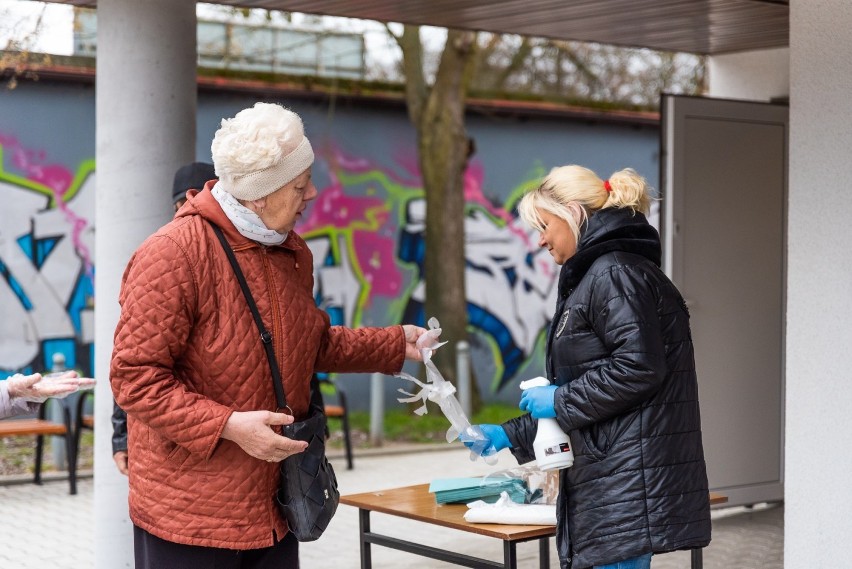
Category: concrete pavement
[46,528]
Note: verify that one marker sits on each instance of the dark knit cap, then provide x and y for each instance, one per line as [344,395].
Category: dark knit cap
[191,177]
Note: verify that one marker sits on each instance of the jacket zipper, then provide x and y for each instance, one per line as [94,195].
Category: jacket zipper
[552,334]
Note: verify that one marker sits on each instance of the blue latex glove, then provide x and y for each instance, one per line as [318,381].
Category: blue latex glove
[497,440]
[538,402]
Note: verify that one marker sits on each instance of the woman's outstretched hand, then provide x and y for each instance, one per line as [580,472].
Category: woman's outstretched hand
[37,388]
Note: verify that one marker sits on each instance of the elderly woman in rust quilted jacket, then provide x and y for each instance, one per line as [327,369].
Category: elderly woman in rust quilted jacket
[191,373]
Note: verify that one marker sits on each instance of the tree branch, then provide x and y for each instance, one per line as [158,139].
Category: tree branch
[412,66]
[517,62]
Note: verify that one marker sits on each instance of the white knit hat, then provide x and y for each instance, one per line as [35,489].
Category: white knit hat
[248,151]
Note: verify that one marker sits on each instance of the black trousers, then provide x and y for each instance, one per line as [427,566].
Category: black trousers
[152,552]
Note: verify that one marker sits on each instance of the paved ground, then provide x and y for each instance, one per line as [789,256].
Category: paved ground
[45,527]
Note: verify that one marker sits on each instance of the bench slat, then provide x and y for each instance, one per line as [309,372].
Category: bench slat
[333,411]
[18,427]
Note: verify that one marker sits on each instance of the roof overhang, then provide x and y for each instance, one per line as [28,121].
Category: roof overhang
[698,26]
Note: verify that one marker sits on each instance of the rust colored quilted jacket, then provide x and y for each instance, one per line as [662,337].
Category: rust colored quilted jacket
[187,354]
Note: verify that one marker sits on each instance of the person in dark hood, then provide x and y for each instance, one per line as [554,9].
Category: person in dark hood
[623,382]
[190,176]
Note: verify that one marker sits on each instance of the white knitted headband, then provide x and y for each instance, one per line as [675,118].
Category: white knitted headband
[255,185]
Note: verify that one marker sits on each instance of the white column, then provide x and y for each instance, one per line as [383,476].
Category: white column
[753,75]
[819,287]
[146,101]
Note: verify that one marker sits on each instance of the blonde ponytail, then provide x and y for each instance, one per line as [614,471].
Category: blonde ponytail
[628,189]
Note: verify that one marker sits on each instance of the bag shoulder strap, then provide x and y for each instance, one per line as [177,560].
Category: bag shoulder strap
[265,335]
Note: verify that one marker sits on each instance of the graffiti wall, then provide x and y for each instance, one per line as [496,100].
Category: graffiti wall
[47,192]
[366,228]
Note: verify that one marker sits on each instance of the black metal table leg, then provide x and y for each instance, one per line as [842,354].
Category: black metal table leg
[364,528]
[510,555]
[697,559]
[544,553]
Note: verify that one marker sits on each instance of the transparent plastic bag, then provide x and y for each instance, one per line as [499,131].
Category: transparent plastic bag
[540,487]
[530,500]
[440,391]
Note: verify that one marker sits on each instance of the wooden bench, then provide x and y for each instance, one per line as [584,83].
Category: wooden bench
[41,427]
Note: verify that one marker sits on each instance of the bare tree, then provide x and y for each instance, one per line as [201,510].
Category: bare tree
[21,32]
[502,63]
[437,111]
[586,73]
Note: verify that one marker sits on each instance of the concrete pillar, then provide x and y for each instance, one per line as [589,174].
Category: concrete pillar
[753,75]
[146,102]
[819,287]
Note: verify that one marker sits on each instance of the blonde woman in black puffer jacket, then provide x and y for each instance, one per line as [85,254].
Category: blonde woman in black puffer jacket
[620,360]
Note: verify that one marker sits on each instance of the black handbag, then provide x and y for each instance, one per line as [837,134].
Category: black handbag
[307,496]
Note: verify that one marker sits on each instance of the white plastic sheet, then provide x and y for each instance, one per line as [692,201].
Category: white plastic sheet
[505,511]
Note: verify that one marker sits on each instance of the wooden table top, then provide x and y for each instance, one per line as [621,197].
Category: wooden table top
[417,503]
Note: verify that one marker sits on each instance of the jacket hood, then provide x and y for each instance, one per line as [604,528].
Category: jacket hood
[204,204]
[610,229]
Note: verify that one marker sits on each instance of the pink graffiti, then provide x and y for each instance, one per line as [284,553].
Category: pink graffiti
[374,249]
[377,261]
[55,178]
[333,208]
[339,160]
[473,178]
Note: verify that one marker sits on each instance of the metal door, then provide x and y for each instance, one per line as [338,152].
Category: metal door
[724,190]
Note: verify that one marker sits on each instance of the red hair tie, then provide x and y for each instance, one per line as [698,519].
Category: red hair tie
[607,186]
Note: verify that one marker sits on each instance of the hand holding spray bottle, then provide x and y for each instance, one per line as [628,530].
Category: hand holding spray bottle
[551,445]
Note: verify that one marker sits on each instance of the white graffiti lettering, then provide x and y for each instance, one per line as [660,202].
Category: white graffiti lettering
[36,308]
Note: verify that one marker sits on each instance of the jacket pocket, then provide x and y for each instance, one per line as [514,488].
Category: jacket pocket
[177,455]
[601,437]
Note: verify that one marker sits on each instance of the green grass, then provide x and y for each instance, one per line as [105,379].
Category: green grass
[17,454]
[403,425]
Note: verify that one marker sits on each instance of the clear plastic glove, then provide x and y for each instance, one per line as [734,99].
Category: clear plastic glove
[495,440]
[538,402]
[413,335]
[37,388]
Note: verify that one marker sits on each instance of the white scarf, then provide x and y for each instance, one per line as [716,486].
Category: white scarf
[247,222]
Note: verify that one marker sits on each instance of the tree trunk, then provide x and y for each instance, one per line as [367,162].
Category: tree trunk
[442,143]
[443,146]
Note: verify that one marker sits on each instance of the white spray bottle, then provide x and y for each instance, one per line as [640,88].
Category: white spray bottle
[551,445]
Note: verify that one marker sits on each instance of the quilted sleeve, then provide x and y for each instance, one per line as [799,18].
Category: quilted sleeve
[625,318]
[158,300]
[361,350]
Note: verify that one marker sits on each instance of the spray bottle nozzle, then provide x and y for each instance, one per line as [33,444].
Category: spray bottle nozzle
[535,382]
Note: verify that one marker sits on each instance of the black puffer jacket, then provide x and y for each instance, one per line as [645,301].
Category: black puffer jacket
[620,349]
